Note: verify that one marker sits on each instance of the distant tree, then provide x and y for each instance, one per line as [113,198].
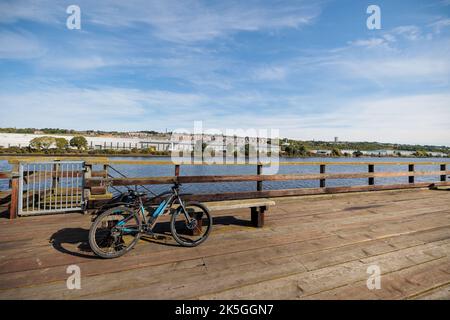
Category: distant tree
[61,143]
[295,148]
[336,152]
[357,154]
[40,143]
[79,142]
[421,153]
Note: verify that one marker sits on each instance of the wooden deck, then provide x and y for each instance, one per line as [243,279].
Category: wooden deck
[315,247]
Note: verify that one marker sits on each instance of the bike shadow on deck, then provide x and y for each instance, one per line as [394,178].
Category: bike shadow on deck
[74,241]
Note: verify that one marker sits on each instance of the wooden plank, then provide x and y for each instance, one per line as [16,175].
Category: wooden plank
[259,178]
[305,191]
[14,204]
[18,159]
[238,204]
[5,175]
[304,284]
[439,293]
[402,284]
[98,190]
[99,173]
[129,181]
[96,197]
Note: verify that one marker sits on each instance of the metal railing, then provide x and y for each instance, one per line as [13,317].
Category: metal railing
[66,187]
[48,187]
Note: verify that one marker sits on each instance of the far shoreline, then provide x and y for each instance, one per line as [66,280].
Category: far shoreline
[139,155]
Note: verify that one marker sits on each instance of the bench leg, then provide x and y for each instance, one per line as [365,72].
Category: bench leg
[258,216]
[197,231]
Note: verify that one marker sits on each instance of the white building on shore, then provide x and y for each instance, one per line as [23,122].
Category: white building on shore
[175,142]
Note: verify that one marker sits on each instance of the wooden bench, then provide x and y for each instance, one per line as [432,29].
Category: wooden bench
[257,206]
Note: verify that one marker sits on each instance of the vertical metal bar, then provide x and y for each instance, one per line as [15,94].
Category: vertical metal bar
[28,186]
[71,189]
[20,194]
[67,184]
[77,182]
[39,187]
[34,183]
[51,187]
[45,186]
[322,171]
[61,171]
[371,169]
[443,176]
[82,186]
[411,169]
[55,181]
[259,185]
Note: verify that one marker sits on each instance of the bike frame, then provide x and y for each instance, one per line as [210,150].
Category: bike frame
[159,211]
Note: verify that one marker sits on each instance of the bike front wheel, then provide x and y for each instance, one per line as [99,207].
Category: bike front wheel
[114,232]
[192,232]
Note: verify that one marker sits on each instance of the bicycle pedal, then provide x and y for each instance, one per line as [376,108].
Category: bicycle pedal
[149,233]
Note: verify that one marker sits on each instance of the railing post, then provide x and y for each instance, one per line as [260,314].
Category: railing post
[259,172]
[14,204]
[443,176]
[322,171]
[87,191]
[257,213]
[371,170]
[411,169]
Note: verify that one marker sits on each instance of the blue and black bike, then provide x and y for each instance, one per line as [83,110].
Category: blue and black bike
[117,230]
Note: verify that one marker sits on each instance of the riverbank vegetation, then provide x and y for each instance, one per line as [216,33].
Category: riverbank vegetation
[296,148]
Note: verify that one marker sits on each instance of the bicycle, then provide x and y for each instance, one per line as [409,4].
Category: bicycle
[117,230]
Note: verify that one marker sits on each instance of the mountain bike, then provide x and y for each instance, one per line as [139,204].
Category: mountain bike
[117,230]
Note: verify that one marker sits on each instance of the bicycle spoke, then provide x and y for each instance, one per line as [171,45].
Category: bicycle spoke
[191,226]
[111,239]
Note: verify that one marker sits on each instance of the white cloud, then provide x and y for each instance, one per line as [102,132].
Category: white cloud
[440,24]
[193,20]
[404,119]
[270,73]
[409,32]
[369,43]
[409,69]
[68,107]
[42,11]
[418,119]
[77,63]
[19,45]
[177,21]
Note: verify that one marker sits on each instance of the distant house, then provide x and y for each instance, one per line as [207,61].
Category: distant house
[321,152]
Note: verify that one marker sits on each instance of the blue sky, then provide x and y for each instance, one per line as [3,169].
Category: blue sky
[311,69]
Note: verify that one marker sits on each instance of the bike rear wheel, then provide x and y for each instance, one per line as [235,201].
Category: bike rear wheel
[191,234]
[115,232]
